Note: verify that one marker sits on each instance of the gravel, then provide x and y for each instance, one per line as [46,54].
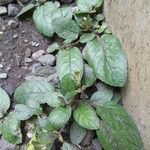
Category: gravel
[37,54]
[47,59]
[3,75]
[13,10]
[3,10]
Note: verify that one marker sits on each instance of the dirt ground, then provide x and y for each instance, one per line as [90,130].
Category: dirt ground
[130,20]
[15,42]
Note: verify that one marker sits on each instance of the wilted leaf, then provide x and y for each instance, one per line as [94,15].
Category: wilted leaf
[4,102]
[87,5]
[86,116]
[117,130]
[106,57]
[60,116]
[87,37]
[11,130]
[77,133]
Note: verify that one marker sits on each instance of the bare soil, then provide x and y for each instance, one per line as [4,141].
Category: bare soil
[14,49]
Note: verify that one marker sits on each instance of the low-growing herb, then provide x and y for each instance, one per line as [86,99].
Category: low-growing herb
[89,54]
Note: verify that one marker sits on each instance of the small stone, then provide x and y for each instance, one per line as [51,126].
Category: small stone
[47,59]
[28,60]
[13,24]
[34,44]
[26,41]
[44,71]
[15,36]
[28,53]
[13,10]
[3,10]
[8,68]
[4,2]
[37,54]
[1,54]
[1,66]
[3,28]
[3,75]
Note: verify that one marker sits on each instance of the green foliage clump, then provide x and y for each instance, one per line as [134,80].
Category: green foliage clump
[88,54]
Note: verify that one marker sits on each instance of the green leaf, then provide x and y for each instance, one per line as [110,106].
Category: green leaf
[11,130]
[68,87]
[100,97]
[60,116]
[26,9]
[67,29]
[84,21]
[99,17]
[36,92]
[87,37]
[70,62]
[23,112]
[68,146]
[106,57]
[88,77]
[103,27]
[43,17]
[1,123]
[87,5]
[117,130]
[86,117]
[116,97]
[77,133]
[53,47]
[4,102]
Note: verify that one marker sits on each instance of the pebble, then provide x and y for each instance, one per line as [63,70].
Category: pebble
[47,59]
[15,36]
[3,10]
[37,54]
[28,60]
[4,2]
[35,44]
[3,75]
[43,71]
[1,66]
[3,28]
[28,52]
[13,10]
[13,24]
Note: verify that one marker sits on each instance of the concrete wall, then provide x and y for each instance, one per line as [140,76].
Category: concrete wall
[130,21]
